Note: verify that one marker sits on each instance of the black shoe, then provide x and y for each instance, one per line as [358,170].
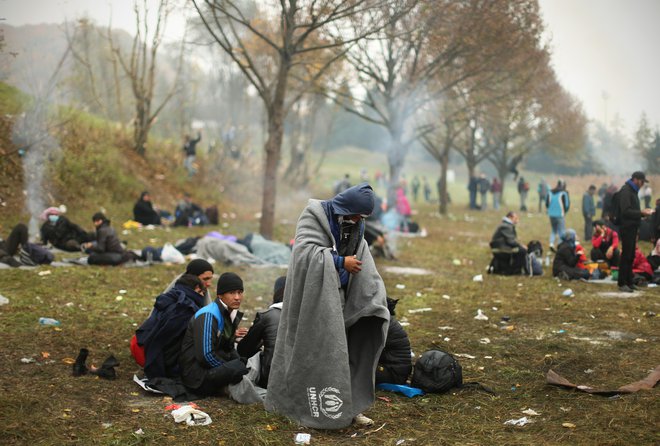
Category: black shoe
[634,287]
[626,289]
[79,367]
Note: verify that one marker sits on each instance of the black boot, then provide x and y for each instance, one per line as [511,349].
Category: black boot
[79,367]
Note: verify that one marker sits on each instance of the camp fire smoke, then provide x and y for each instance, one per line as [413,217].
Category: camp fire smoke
[31,135]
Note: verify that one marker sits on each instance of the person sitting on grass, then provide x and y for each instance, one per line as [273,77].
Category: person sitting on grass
[605,243]
[144,211]
[209,361]
[106,249]
[263,333]
[62,233]
[161,334]
[565,265]
[504,243]
[395,362]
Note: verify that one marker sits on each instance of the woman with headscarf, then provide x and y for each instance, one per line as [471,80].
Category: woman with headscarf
[568,258]
[144,212]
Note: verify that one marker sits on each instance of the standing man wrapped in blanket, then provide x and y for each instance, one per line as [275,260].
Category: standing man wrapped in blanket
[334,319]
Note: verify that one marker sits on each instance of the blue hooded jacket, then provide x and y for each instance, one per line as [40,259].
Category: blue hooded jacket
[356,200]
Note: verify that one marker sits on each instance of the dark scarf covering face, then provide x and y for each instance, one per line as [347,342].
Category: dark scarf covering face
[356,200]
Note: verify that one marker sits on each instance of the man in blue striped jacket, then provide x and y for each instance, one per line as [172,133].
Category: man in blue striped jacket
[209,361]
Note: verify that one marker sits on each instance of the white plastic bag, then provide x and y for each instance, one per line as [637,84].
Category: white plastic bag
[172,255]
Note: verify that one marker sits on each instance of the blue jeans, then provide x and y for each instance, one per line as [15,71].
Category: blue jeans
[558,225]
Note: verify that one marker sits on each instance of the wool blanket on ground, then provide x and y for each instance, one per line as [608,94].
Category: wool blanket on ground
[269,251]
[228,253]
[328,342]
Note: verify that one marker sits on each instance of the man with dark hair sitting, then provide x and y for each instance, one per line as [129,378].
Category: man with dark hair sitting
[209,362]
[605,243]
[508,254]
[263,333]
[162,333]
[106,249]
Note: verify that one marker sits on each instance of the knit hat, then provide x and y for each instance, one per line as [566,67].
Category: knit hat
[99,216]
[198,267]
[229,282]
[50,211]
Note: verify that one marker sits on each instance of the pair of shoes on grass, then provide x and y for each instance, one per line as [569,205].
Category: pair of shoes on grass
[627,289]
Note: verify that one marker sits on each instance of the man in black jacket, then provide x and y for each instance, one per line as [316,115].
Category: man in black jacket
[505,243]
[62,233]
[263,333]
[630,217]
[395,362]
[107,249]
[209,362]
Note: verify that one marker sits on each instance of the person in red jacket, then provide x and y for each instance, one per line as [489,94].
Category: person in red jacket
[641,266]
[605,243]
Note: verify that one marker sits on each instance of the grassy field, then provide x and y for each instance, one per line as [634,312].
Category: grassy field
[588,338]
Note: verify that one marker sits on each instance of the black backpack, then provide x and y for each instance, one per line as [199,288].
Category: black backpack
[437,372]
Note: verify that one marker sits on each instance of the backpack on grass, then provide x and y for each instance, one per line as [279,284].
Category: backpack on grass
[437,371]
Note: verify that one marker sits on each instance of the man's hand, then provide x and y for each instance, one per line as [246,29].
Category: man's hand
[647,211]
[241,332]
[352,264]
[610,252]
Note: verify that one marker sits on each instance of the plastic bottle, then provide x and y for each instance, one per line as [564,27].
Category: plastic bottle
[48,321]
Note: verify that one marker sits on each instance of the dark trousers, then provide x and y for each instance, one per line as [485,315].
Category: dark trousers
[628,241]
[588,228]
[18,236]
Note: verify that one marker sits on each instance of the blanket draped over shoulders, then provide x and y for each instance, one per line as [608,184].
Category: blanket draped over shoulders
[328,342]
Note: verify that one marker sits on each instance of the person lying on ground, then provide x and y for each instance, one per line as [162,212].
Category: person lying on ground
[605,243]
[10,247]
[395,363]
[106,249]
[209,361]
[565,264]
[160,336]
[263,333]
[62,233]
[144,211]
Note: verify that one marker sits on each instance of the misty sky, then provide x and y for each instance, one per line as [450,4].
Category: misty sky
[598,46]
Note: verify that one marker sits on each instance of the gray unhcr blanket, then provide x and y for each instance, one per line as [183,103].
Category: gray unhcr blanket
[328,344]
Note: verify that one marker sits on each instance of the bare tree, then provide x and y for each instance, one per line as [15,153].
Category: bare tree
[272,43]
[140,67]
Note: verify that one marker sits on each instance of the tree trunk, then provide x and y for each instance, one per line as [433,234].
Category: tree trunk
[396,156]
[442,190]
[273,150]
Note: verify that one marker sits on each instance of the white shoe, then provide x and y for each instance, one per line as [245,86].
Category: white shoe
[361,420]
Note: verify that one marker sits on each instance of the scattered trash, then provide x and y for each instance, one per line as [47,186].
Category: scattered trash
[508,328]
[488,357]
[139,432]
[518,422]
[481,316]
[418,294]
[44,273]
[407,271]
[122,291]
[478,278]
[405,324]
[484,341]
[588,371]
[191,416]
[400,286]
[456,262]
[464,355]
[506,318]
[495,308]
[445,327]
[520,284]
[45,355]
[568,293]
[565,409]
[5,301]
[446,339]
[106,425]
[420,310]
[531,412]
[69,304]
[568,425]
[560,331]
[270,428]
[400,442]
[647,314]
[28,360]
[49,321]
[303,438]
[446,296]
[640,340]
[119,298]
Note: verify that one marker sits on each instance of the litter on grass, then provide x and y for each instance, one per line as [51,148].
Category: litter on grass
[481,316]
[518,422]
[191,416]
[303,438]
[420,310]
